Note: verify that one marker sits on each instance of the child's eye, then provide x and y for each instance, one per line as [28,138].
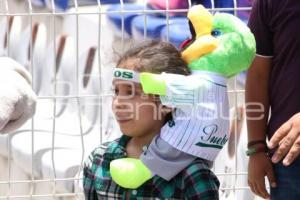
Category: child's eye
[125,93]
[115,91]
[216,33]
[130,93]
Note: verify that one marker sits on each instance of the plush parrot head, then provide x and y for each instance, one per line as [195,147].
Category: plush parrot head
[221,43]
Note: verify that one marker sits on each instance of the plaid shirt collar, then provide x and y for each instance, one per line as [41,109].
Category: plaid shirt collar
[116,149]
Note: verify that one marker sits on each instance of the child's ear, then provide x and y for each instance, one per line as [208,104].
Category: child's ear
[156,98]
[166,110]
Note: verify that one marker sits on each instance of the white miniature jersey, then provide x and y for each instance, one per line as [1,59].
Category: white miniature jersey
[200,125]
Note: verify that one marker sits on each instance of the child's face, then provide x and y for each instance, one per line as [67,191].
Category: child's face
[138,114]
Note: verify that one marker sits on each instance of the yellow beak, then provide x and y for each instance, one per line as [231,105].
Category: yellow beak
[200,47]
[202,21]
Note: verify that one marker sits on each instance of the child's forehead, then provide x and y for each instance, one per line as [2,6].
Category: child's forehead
[123,83]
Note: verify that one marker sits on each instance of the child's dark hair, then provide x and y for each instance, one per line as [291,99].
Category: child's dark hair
[156,57]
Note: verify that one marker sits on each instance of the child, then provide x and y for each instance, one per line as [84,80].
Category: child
[141,118]
[222,46]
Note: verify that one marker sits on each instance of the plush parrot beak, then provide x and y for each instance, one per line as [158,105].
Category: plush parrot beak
[200,47]
[202,22]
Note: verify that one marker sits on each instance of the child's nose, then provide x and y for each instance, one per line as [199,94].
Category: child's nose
[119,102]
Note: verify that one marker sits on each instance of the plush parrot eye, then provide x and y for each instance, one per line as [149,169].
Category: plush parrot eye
[216,33]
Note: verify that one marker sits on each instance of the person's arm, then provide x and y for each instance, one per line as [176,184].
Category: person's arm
[257,109]
[287,137]
[89,179]
[257,98]
[92,164]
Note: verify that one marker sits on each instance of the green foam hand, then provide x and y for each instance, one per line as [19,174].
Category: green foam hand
[153,83]
[129,172]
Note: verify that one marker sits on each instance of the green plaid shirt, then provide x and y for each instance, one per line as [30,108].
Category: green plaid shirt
[197,181]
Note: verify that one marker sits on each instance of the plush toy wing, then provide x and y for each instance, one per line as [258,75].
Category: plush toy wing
[17,100]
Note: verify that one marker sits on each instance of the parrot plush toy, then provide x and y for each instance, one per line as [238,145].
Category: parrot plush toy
[221,47]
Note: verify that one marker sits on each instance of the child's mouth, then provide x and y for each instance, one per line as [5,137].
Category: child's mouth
[123,119]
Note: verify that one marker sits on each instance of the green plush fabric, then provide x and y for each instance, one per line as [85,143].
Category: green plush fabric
[235,51]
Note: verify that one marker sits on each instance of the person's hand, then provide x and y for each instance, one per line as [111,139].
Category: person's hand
[17,100]
[288,139]
[260,166]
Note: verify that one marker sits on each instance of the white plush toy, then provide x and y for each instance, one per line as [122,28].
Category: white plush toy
[17,99]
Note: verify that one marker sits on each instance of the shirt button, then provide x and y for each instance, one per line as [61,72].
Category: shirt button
[134,192]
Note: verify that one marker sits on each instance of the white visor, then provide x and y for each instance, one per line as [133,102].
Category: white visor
[127,75]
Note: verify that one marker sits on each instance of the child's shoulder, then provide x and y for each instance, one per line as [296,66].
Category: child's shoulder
[97,156]
[112,148]
[198,166]
[100,150]
[199,172]
[104,147]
